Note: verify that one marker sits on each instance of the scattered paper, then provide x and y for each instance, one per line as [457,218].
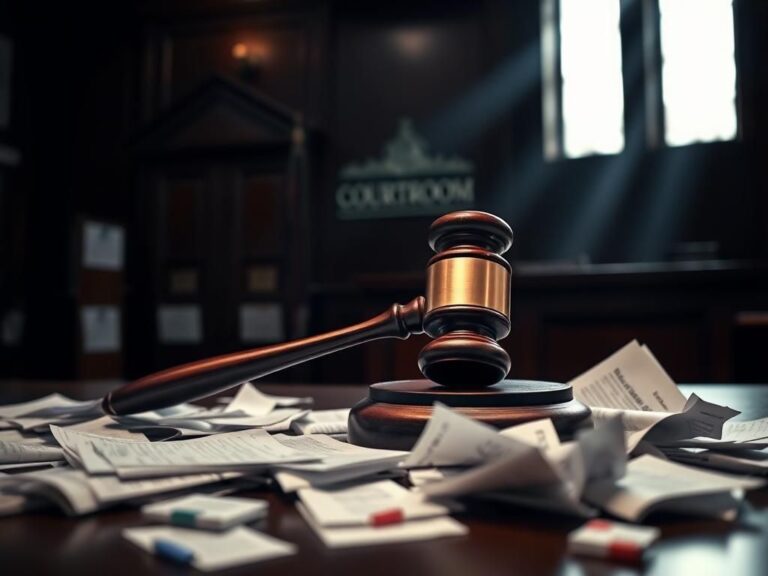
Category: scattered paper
[231,451]
[653,484]
[214,551]
[743,461]
[615,541]
[322,422]
[551,479]
[333,455]
[14,453]
[51,405]
[632,384]
[77,493]
[630,379]
[359,505]
[450,439]
[206,511]
[414,530]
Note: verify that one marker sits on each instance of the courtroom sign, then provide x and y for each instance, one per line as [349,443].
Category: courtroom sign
[406,181]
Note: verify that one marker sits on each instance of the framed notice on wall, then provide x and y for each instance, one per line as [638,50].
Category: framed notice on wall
[179,324]
[100,327]
[261,322]
[103,246]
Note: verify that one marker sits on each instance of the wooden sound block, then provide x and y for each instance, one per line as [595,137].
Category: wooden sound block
[395,413]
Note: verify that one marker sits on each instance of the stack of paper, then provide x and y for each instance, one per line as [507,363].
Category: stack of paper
[331,422]
[659,419]
[244,451]
[250,408]
[36,415]
[111,460]
[652,484]
[525,465]
[632,384]
[575,477]
[336,462]
[375,513]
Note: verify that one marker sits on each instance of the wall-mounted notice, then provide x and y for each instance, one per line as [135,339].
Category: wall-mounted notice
[261,322]
[100,327]
[179,324]
[102,246]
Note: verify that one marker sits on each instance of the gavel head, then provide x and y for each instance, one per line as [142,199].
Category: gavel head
[467,300]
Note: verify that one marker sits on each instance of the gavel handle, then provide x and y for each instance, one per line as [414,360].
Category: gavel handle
[204,377]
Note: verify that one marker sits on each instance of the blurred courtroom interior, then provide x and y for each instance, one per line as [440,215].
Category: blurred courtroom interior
[185,178]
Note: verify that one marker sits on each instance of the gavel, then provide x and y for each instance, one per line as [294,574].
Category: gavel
[466,311]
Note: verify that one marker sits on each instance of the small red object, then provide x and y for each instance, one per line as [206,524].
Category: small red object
[599,524]
[385,517]
[624,551]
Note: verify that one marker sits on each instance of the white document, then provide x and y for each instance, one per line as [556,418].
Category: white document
[231,451]
[343,537]
[630,379]
[601,538]
[539,433]
[336,461]
[551,479]
[754,462]
[333,455]
[31,465]
[100,327]
[288,401]
[746,430]
[21,437]
[79,450]
[450,439]
[102,246]
[359,505]
[214,551]
[17,453]
[249,401]
[213,424]
[652,484]
[323,422]
[290,481]
[77,493]
[632,383]
[526,468]
[65,415]
[206,511]
[53,404]
[698,418]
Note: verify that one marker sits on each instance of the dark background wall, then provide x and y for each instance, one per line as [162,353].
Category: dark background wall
[91,80]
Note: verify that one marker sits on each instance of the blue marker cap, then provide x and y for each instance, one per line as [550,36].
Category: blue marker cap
[172,551]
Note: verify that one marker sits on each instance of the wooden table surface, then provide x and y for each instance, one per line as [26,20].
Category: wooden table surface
[500,541]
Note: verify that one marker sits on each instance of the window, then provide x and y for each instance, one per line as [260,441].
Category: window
[690,49]
[581,59]
[698,70]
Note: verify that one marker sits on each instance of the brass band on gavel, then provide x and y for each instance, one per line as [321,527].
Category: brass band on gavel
[469,281]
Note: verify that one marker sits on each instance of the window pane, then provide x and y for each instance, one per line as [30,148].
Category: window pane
[592,89]
[698,70]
